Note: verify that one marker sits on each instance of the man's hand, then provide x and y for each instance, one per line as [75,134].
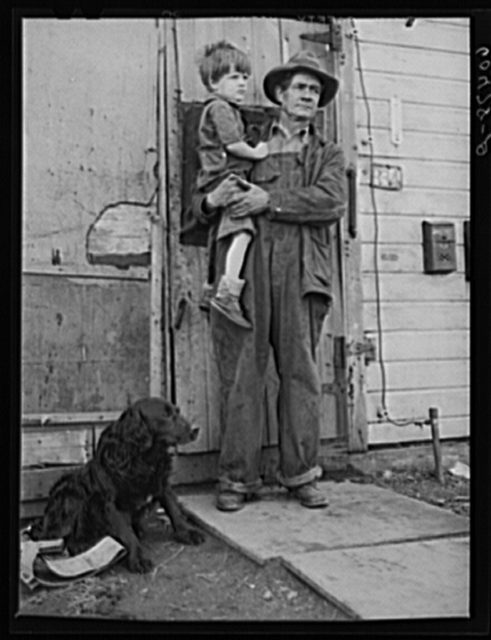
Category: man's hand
[226,192]
[249,203]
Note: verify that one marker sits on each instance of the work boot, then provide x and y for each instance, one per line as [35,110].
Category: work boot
[309,496]
[230,500]
[226,301]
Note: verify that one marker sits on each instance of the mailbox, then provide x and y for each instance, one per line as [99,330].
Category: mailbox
[439,247]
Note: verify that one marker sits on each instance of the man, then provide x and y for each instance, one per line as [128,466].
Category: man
[297,192]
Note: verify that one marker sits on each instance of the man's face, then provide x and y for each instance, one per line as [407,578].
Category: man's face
[301,98]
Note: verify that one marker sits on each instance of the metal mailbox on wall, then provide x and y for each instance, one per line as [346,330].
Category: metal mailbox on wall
[439,247]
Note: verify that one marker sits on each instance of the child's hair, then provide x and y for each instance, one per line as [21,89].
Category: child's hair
[219,58]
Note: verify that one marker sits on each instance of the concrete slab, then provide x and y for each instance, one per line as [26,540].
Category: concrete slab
[358,515]
[423,579]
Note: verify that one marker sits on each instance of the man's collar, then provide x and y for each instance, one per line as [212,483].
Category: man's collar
[276,127]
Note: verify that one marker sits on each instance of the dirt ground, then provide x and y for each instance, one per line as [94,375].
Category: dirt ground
[215,582]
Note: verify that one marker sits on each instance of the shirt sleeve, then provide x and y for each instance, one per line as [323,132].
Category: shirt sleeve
[322,202]
[226,123]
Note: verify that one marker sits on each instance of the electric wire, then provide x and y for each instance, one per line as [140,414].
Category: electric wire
[385,412]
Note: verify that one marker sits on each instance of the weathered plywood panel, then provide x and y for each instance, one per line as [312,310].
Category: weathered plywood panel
[443,203]
[415,117]
[439,92]
[85,344]
[399,258]
[424,174]
[424,345]
[386,433]
[425,34]
[89,128]
[444,146]
[415,404]
[35,484]
[406,316]
[420,375]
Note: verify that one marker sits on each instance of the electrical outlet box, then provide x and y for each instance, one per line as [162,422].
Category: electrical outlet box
[439,247]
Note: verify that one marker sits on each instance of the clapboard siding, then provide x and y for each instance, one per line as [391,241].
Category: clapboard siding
[417,117]
[400,258]
[403,376]
[418,145]
[425,318]
[417,315]
[429,35]
[418,202]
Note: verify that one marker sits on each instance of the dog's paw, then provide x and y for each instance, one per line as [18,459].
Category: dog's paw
[140,564]
[190,536]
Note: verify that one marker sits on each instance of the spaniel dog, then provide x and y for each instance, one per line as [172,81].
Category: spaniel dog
[109,494]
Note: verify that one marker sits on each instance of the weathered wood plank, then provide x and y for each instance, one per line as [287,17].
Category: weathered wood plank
[439,92]
[416,287]
[404,405]
[414,145]
[120,236]
[429,174]
[403,229]
[419,375]
[84,344]
[47,445]
[410,61]
[426,201]
[399,258]
[72,172]
[380,434]
[415,117]
[35,484]
[69,419]
[425,34]
[423,345]
[417,315]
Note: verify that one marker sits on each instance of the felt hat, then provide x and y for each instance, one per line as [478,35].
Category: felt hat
[302,62]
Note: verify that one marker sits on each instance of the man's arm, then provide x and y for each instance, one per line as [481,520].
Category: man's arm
[323,201]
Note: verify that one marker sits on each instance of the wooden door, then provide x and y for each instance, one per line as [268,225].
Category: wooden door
[270,42]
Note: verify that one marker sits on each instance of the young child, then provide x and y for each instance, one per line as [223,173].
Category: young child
[225,71]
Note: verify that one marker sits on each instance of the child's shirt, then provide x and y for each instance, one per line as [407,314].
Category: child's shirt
[221,124]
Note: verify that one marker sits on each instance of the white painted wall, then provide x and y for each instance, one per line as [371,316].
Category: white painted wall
[425,318]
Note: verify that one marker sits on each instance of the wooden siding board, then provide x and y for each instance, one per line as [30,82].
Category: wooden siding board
[403,230]
[405,405]
[420,375]
[439,92]
[426,202]
[72,173]
[416,117]
[386,433]
[423,62]
[401,258]
[426,346]
[424,174]
[45,445]
[84,344]
[417,145]
[415,287]
[425,34]
[406,316]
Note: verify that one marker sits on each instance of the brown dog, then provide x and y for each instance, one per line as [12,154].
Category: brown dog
[109,495]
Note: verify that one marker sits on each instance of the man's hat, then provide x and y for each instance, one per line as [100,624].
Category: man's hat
[303,62]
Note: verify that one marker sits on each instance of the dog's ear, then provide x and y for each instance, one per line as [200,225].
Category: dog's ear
[136,429]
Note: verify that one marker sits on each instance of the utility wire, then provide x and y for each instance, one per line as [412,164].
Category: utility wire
[385,412]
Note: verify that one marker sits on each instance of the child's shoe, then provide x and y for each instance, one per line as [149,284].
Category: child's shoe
[226,301]
[206,297]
